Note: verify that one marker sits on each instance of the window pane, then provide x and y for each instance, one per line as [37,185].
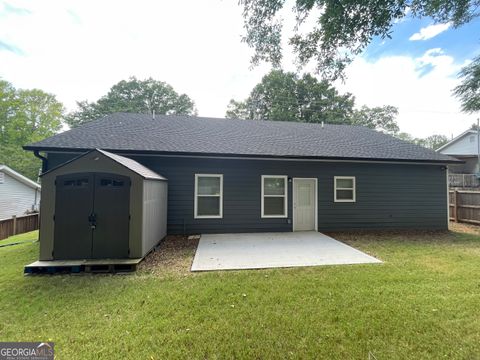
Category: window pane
[208,206]
[344,194]
[274,186]
[208,185]
[303,195]
[105,182]
[344,183]
[79,182]
[274,206]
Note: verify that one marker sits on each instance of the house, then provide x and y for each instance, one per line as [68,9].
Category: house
[18,194]
[227,176]
[464,147]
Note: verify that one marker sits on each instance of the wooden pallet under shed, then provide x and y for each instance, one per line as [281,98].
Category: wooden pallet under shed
[79,266]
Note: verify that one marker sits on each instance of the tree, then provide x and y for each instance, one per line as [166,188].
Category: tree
[342,29]
[135,96]
[381,118]
[469,90]
[283,96]
[26,116]
[435,141]
[432,142]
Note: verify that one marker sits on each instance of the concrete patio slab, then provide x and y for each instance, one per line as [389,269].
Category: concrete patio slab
[271,250]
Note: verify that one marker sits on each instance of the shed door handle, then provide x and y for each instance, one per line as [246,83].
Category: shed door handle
[92,219]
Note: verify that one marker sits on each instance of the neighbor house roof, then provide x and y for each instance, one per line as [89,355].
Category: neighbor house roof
[130,164]
[457,139]
[176,134]
[16,175]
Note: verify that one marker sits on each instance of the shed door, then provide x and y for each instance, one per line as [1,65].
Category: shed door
[91,216]
[73,206]
[112,208]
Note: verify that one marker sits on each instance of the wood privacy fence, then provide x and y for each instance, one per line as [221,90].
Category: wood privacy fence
[465,206]
[18,225]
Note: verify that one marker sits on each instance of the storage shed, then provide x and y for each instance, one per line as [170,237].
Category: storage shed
[101,206]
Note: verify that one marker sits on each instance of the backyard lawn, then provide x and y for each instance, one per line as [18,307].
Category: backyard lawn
[423,302]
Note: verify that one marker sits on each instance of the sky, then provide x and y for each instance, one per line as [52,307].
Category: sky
[78,49]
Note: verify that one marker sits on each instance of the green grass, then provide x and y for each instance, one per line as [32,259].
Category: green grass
[422,303]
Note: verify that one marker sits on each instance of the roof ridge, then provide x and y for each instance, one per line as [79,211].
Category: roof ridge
[286,122]
[185,134]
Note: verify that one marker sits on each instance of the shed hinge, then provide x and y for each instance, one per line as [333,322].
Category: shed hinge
[53,217]
[53,252]
[129,217]
[55,182]
[129,251]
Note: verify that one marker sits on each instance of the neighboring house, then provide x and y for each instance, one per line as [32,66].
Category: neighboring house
[18,194]
[227,176]
[463,147]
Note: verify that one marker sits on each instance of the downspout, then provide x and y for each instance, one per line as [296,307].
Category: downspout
[478,147]
[44,160]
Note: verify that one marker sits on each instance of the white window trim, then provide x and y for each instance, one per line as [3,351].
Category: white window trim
[196,196]
[285,210]
[354,188]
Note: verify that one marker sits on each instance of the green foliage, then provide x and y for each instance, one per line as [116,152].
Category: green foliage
[342,28]
[381,118]
[26,116]
[283,96]
[432,142]
[135,96]
[469,90]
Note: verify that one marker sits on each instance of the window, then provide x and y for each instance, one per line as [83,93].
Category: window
[274,196]
[75,183]
[472,138]
[344,188]
[208,196]
[111,182]
[2,178]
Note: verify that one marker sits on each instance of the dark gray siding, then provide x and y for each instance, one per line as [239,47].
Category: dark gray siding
[389,196]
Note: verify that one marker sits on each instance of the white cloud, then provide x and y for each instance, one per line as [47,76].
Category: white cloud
[425,101]
[430,31]
[79,49]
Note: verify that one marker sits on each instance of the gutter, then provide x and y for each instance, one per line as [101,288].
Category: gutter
[43,158]
[245,156]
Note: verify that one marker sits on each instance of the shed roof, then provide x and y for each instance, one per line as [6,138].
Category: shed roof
[16,175]
[130,164]
[178,134]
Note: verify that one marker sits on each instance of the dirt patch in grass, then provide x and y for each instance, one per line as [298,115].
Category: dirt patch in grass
[375,235]
[464,228]
[411,235]
[174,255]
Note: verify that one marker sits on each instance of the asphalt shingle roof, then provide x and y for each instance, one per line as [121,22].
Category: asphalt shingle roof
[136,167]
[130,164]
[125,132]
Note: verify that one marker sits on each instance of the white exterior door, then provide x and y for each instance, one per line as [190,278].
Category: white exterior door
[304,204]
